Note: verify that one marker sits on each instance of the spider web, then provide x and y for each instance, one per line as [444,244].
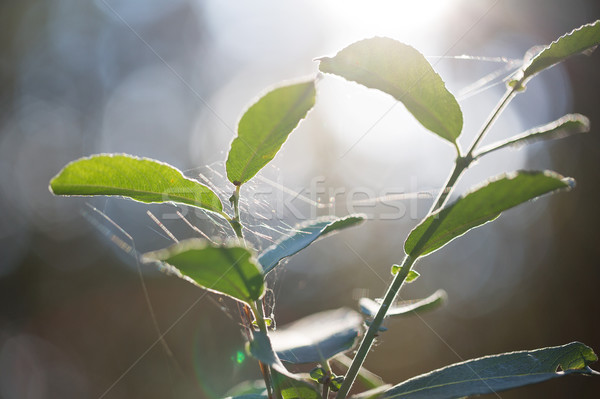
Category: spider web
[260,216]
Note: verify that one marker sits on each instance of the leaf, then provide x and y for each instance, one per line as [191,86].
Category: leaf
[368,379]
[405,308]
[318,374]
[304,235]
[224,269]
[402,72]
[344,222]
[336,383]
[261,349]
[294,389]
[582,39]
[410,277]
[496,373]
[291,385]
[481,206]
[140,179]
[566,126]
[265,126]
[268,322]
[317,337]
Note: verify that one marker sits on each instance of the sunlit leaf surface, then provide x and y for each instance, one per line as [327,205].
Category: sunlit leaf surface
[225,269]
[497,373]
[479,207]
[265,126]
[140,179]
[566,126]
[582,39]
[404,73]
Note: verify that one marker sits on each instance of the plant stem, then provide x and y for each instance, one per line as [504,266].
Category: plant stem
[373,330]
[325,393]
[365,346]
[459,168]
[262,326]
[463,162]
[508,95]
[235,222]
[256,307]
[329,375]
[460,165]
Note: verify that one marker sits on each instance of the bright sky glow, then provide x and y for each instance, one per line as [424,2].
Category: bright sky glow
[398,19]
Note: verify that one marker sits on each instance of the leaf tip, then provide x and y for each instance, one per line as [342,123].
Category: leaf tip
[51,185]
[442,295]
[570,182]
[582,120]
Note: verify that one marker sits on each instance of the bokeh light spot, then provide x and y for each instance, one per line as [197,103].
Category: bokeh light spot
[239,357]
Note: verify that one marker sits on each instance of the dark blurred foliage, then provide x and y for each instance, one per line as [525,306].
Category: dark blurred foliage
[144,78]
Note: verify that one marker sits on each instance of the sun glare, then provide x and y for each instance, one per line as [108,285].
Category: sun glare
[399,19]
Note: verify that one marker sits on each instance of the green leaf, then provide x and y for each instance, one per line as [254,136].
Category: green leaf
[402,72]
[318,374]
[410,277]
[224,269]
[582,39]
[265,126]
[368,379]
[304,235]
[268,322]
[291,388]
[481,206]
[566,126]
[317,337]
[336,383]
[405,308]
[140,179]
[496,373]
[291,385]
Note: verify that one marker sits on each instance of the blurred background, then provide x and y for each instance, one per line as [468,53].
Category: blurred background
[169,80]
